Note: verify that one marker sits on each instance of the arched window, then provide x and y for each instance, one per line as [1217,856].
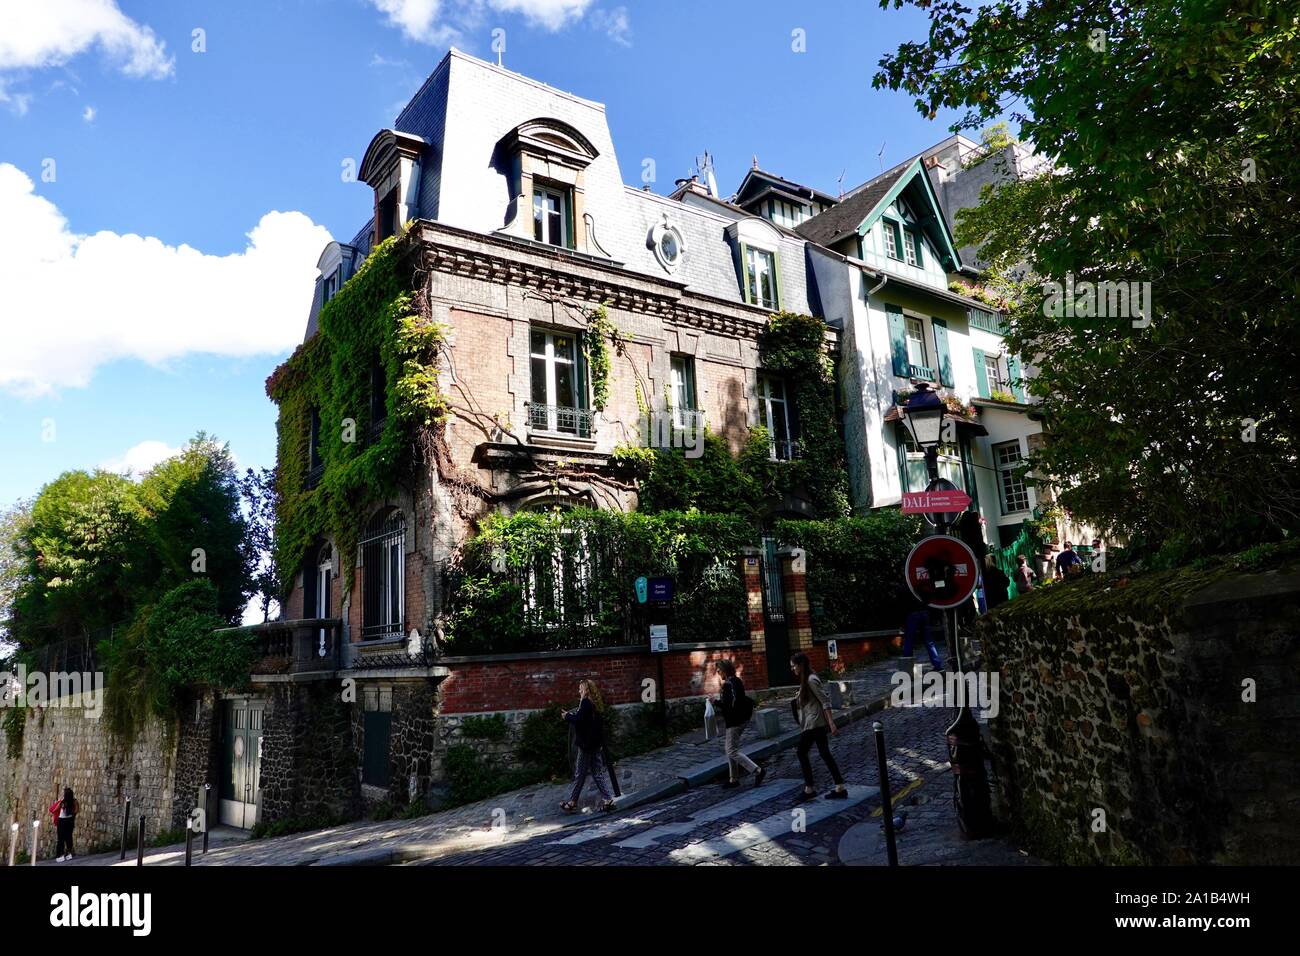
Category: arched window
[383,564]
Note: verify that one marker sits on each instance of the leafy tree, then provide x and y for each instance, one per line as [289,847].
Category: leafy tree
[257,488]
[1171,132]
[14,523]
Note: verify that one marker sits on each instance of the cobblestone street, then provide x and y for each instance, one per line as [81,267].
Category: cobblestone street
[744,826]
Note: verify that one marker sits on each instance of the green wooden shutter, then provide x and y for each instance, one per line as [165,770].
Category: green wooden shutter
[981,373]
[1013,373]
[942,357]
[901,445]
[898,340]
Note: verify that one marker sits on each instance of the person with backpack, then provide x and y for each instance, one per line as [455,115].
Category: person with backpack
[812,709]
[737,709]
[588,728]
[64,814]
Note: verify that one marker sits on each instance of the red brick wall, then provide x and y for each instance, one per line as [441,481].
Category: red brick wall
[851,651]
[529,684]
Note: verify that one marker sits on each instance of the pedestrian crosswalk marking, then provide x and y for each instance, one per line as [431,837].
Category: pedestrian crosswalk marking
[719,811]
[598,831]
[752,834]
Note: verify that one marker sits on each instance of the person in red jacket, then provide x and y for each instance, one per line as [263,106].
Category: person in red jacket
[64,813]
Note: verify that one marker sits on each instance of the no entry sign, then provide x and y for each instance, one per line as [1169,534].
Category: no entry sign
[941,571]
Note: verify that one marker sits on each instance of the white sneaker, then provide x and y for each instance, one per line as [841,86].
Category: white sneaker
[59,859]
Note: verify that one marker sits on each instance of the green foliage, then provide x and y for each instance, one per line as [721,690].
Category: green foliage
[471,777]
[993,139]
[372,323]
[1173,154]
[544,741]
[795,345]
[485,727]
[262,831]
[607,551]
[855,568]
[600,332]
[15,723]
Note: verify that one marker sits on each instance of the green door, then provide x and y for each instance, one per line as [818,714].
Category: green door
[241,761]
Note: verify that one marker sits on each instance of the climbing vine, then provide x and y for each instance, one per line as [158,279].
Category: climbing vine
[373,333]
[600,332]
[795,346]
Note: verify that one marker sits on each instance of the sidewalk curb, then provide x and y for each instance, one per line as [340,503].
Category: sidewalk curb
[716,769]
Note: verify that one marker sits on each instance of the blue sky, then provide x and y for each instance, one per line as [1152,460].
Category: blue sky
[134,307]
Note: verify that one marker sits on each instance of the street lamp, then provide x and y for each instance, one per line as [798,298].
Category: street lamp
[924,413]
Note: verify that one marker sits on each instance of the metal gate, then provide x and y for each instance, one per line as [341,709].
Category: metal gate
[775,626]
[241,761]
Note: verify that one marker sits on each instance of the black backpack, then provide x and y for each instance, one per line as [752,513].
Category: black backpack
[742,706]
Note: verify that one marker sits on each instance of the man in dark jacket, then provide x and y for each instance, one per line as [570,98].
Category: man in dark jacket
[995,584]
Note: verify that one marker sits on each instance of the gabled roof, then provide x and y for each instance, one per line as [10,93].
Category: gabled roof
[857,213]
[758,182]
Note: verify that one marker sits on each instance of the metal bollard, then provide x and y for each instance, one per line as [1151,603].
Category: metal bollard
[189,842]
[13,842]
[139,844]
[886,803]
[207,807]
[126,825]
[36,832]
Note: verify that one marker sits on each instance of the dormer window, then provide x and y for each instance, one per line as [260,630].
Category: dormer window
[547,160]
[550,216]
[666,241]
[760,277]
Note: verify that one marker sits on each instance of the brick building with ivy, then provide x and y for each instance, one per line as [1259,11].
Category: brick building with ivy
[523,384]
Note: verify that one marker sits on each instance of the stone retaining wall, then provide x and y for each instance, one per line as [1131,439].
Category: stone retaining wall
[65,747]
[1152,720]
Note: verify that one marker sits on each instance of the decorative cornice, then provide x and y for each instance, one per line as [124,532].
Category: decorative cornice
[562,273]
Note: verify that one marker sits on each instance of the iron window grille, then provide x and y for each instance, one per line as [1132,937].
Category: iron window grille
[383,562]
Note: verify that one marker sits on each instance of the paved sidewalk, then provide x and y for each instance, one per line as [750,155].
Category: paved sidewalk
[690,761]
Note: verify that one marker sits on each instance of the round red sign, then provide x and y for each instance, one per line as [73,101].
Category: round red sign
[941,571]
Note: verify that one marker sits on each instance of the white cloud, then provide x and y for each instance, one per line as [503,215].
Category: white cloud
[17,102]
[424,20]
[88,114]
[51,32]
[615,23]
[140,458]
[70,303]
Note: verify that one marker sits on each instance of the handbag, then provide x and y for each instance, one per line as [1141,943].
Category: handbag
[744,707]
[710,721]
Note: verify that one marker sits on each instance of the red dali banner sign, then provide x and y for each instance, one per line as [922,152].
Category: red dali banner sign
[932,502]
[941,571]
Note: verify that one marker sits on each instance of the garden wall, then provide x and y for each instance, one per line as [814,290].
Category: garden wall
[1167,701]
[63,746]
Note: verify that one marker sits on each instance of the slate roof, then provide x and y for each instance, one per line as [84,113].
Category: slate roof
[843,219]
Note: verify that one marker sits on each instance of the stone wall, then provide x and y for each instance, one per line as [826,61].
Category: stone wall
[1167,702]
[63,746]
[310,768]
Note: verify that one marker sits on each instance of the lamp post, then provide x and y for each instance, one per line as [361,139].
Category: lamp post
[924,412]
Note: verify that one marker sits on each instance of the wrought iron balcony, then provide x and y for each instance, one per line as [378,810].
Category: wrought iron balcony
[296,647]
[560,419]
[785,450]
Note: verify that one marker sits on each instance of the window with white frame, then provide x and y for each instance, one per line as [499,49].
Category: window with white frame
[559,401]
[1015,497]
[682,376]
[760,277]
[916,354]
[994,370]
[550,216]
[915,474]
[909,248]
[383,560]
[324,575]
[775,412]
[557,583]
[892,240]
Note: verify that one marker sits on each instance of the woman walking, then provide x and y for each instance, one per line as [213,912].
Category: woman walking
[813,710]
[590,734]
[737,709]
[64,813]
